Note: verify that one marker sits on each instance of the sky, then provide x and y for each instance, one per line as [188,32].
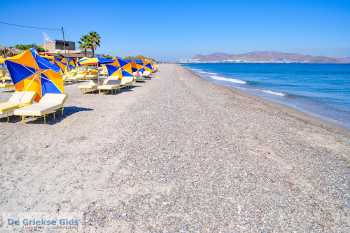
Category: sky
[174,29]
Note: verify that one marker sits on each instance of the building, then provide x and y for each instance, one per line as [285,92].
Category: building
[59,45]
[65,48]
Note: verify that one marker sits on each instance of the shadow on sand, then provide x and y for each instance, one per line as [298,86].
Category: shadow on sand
[52,119]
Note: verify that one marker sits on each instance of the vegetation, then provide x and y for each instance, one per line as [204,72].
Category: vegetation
[28,46]
[106,56]
[18,48]
[90,41]
[84,44]
[8,51]
[139,57]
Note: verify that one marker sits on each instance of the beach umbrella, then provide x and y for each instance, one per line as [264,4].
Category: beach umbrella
[65,63]
[71,62]
[137,65]
[2,60]
[60,63]
[48,57]
[147,64]
[94,61]
[31,72]
[119,68]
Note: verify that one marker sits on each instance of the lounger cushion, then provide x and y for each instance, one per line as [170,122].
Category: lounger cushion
[108,87]
[53,99]
[17,100]
[16,97]
[112,81]
[48,103]
[126,80]
[27,98]
[7,107]
[146,73]
[89,85]
[38,109]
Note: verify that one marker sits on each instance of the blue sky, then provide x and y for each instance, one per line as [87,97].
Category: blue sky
[172,29]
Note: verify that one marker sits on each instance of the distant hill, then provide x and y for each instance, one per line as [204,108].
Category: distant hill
[267,57]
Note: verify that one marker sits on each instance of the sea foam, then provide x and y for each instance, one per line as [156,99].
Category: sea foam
[273,92]
[232,80]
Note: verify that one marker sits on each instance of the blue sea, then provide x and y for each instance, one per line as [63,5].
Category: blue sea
[322,90]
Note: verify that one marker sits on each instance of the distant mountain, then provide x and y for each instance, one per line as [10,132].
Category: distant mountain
[267,57]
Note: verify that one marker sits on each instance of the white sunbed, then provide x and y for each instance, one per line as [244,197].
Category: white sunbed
[110,85]
[17,100]
[88,87]
[146,73]
[48,104]
[127,81]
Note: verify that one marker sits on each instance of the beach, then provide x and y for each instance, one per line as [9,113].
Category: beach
[179,154]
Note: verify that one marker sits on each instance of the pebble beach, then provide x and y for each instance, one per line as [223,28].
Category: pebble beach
[179,154]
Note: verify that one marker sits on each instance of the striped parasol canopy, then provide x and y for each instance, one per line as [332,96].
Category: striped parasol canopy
[31,72]
[119,68]
[94,61]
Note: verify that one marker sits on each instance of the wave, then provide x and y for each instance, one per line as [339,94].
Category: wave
[202,71]
[207,73]
[197,70]
[232,80]
[274,92]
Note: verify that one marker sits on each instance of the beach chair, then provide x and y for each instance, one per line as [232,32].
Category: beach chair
[146,74]
[48,104]
[17,100]
[109,85]
[70,77]
[127,81]
[88,87]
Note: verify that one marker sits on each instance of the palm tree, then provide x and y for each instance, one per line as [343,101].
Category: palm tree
[94,41]
[84,43]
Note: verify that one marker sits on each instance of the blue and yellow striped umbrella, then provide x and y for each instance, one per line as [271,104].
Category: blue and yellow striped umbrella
[65,63]
[31,72]
[94,61]
[147,64]
[137,65]
[119,68]
[71,63]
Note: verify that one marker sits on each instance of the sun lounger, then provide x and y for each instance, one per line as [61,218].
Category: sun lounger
[147,74]
[127,81]
[91,76]
[17,100]
[110,85]
[88,87]
[80,76]
[139,78]
[48,104]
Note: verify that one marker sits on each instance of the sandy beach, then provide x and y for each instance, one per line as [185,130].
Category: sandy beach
[179,154]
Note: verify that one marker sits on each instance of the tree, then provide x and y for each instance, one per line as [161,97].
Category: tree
[84,43]
[8,51]
[95,40]
[28,46]
[90,41]
[139,57]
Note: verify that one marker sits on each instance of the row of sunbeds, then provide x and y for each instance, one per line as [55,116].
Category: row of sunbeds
[21,104]
[109,85]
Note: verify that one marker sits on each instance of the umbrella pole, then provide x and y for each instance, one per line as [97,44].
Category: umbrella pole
[98,75]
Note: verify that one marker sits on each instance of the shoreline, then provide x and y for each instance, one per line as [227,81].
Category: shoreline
[305,115]
[180,152]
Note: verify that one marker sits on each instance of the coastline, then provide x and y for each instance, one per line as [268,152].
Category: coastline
[311,97]
[179,153]
[305,115]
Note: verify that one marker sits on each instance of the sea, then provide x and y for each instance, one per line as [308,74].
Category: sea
[322,90]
